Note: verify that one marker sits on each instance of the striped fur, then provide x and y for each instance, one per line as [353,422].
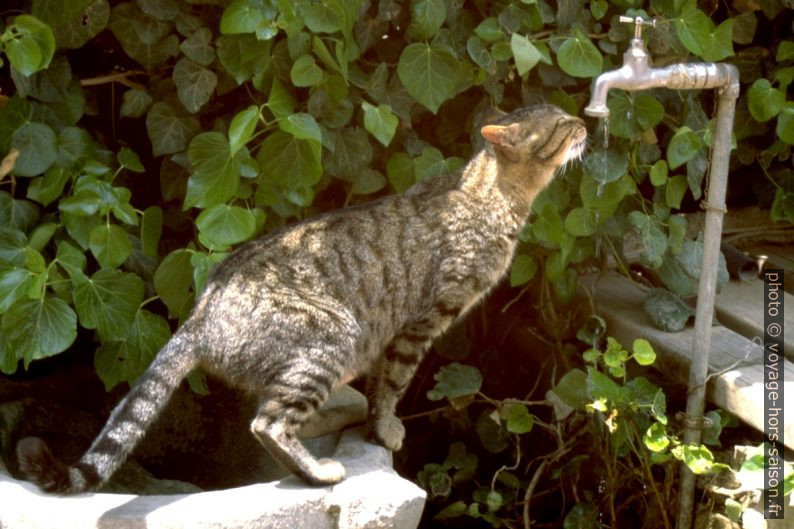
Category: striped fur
[359,291]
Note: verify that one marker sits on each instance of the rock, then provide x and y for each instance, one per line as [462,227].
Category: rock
[372,497]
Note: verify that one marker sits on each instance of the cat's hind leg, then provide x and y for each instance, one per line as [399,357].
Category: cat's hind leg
[286,406]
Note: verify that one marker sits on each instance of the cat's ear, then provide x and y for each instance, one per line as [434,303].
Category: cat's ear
[504,139]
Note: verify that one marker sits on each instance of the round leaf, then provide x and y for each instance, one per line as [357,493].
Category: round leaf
[682,147]
[764,101]
[643,352]
[225,225]
[194,84]
[429,72]
[108,301]
[454,381]
[577,56]
[305,72]
[110,245]
[380,121]
[523,269]
[172,280]
[38,148]
[216,175]
[37,328]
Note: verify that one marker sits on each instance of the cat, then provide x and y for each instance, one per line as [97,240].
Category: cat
[358,291]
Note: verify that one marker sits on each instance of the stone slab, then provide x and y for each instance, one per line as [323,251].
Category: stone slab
[373,496]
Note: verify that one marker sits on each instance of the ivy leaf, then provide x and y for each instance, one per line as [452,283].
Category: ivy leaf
[19,214]
[129,160]
[427,17]
[194,84]
[572,389]
[655,438]
[400,171]
[198,47]
[523,269]
[125,360]
[225,225]
[135,103]
[658,173]
[216,173]
[694,28]
[719,44]
[38,148]
[38,328]
[108,301]
[380,121]
[368,181]
[304,127]
[110,245]
[243,56]
[74,27]
[519,420]
[581,222]
[548,227]
[12,245]
[489,30]
[172,280]
[643,352]
[682,147]
[29,44]
[242,16]
[151,229]
[429,72]
[72,261]
[203,264]
[480,54]
[280,102]
[169,130]
[652,238]
[288,161]
[242,127]
[606,165]
[305,72]
[525,53]
[785,124]
[577,56]
[632,114]
[674,191]
[146,39]
[14,284]
[160,9]
[764,101]
[666,310]
[454,381]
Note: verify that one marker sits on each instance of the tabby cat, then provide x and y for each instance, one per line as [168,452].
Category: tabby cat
[362,290]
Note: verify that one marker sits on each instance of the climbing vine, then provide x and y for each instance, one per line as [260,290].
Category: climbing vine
[141,141]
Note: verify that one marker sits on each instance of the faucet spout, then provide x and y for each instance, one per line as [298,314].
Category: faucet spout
[690,76]
[636,74]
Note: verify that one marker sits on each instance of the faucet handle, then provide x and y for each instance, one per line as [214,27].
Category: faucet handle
[638,22]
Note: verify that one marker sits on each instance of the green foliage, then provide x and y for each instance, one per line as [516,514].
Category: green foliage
[224,120]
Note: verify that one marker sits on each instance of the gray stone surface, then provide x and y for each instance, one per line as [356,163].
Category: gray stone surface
[372,497]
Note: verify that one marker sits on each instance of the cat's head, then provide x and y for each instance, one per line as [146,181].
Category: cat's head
[541,137]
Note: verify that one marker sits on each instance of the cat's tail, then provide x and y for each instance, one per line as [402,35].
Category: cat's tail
[124,429]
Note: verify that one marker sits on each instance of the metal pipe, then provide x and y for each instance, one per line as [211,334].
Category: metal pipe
[635,74]
[712,235]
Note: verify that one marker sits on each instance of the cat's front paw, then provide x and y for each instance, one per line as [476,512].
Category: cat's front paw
[388,431]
